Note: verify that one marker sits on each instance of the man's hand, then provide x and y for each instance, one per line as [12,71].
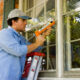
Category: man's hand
[47,32]
[40,40]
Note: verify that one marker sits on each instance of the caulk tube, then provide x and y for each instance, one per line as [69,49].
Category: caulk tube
[44,28]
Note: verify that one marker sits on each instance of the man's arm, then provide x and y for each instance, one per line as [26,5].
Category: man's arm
[39,42]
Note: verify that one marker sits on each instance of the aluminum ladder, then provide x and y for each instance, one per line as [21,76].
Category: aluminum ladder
[34,66]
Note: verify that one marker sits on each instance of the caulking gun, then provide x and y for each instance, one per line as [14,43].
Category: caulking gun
[43,29]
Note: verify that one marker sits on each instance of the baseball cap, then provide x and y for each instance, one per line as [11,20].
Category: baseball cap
[17,13]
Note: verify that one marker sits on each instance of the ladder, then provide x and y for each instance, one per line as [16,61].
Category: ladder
[32,66]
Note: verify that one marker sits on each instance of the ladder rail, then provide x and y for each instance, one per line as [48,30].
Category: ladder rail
[33,68]
[38,68]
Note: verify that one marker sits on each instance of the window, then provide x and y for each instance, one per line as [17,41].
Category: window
[71,20]
[72,4]
[43,11]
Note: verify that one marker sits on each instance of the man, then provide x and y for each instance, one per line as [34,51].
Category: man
[14,47]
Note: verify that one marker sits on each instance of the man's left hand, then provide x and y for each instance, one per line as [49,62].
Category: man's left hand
[47,32]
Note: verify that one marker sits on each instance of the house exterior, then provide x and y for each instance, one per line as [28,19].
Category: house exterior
[62,47]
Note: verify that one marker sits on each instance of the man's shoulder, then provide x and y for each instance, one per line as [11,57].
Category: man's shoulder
[3,31]
[5,34]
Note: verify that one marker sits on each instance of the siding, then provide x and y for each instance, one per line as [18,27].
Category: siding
[8,6]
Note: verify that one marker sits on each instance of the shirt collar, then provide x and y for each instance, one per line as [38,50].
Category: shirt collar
[9,27]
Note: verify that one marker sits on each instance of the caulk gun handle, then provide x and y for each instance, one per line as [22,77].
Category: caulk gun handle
[37,33]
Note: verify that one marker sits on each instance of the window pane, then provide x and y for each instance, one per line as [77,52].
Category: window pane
[44,61]
[49,62]
[72,40]
[75,50]
[72,4]
[52,36]
[29,4]
[75,26]
[52,57]
[51,9]
[43,12]
[73,22]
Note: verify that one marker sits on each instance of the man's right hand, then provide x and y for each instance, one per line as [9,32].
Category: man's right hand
[40,40]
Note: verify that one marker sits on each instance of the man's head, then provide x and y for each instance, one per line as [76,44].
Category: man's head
[17,19]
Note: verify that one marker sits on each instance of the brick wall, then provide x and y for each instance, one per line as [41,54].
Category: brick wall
[1,13]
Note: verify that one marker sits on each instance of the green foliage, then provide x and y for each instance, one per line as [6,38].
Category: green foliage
[75,27]
[75,34]
[53,36]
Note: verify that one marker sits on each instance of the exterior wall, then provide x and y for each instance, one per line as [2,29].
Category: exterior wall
[8,6]
[1,13]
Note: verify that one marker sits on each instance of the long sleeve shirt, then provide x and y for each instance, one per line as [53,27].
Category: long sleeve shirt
[13,50]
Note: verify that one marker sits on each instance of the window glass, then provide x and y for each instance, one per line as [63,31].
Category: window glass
[75,26]
[72,4]
[72,40]
[28,4]
[43,12]
[52,56]
[75,52]
[44,61]
[51,41]
[49,60]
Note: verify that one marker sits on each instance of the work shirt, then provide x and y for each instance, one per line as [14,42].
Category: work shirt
[13,50]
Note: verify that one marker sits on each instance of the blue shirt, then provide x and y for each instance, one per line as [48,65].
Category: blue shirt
[13,50]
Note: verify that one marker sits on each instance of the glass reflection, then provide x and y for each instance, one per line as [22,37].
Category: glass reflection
[73,4]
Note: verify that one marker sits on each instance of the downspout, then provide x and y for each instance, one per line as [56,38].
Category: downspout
[59,40]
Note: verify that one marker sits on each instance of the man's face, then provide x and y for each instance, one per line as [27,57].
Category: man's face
[20,25]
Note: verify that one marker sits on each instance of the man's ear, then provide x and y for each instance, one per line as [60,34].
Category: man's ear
[13,21]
